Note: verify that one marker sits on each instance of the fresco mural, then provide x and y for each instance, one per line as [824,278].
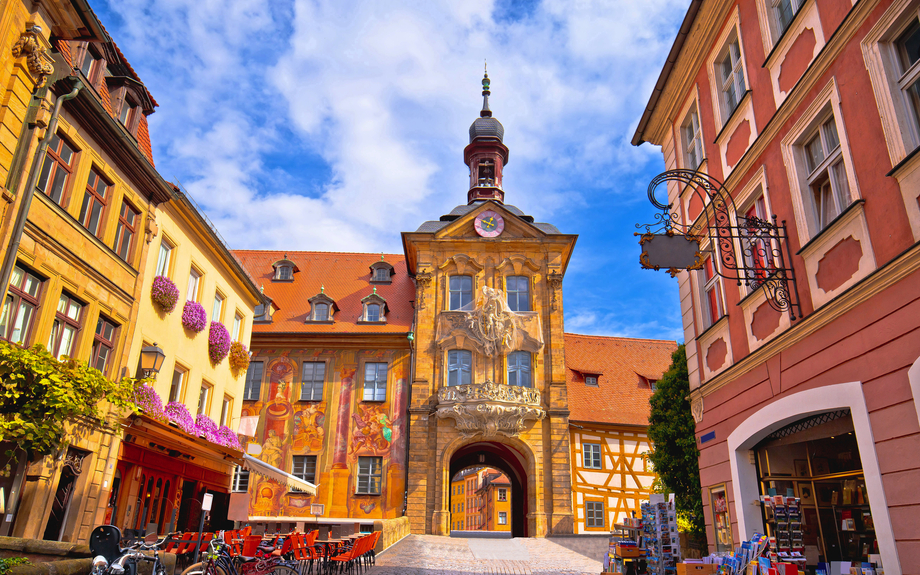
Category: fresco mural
[337,429]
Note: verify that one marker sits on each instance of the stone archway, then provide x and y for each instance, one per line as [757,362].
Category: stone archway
[507,460]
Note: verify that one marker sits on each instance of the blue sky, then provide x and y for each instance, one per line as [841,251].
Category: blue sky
[334,125]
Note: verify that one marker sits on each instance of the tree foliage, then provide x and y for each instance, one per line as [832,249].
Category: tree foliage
[674,453]
[40,397]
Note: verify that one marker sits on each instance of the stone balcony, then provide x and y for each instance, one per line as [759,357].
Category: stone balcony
[490,409]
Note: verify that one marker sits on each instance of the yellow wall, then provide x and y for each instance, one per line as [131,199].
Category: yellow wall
[624,480]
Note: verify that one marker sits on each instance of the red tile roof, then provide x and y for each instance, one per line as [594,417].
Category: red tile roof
[623,365]
[346,279]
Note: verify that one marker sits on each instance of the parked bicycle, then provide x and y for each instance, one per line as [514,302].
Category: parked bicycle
[111,559]
[220,562]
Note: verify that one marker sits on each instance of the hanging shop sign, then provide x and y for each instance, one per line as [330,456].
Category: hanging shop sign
[747,249]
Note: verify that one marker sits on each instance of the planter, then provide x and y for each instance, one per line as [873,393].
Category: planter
[194,318]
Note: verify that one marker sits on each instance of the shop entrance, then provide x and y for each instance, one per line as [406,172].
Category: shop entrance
[816,460]
[499,458]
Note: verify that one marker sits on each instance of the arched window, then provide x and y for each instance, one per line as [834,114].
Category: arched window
[519,369]
[459,367]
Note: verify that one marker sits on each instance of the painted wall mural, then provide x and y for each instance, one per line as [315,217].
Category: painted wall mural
[336,430]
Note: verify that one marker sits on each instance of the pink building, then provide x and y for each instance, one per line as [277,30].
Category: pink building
[809,110]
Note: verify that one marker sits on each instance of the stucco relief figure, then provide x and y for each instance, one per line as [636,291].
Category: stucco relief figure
[492,327]
[372,432]
[493,322]
[308,427]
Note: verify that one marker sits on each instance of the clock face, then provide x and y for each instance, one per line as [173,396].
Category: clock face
[488,224]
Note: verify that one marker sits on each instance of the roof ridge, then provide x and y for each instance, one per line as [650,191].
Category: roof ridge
[317,252]
[620,337]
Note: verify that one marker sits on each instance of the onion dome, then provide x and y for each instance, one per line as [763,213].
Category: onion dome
[485,126]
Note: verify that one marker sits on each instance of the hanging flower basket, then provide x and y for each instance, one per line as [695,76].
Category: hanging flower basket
[239,356]
[218,342]
[149,400]
[228,438]
[178,414]
[164,293]
[194,317]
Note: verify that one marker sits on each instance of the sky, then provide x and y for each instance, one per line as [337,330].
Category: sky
[335,125]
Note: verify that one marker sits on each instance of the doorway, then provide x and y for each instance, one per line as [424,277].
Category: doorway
[508,462]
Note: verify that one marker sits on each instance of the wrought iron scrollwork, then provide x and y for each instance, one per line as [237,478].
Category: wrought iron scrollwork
[751,250]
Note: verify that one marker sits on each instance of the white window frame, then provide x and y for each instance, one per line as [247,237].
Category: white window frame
[503,518]
[735,83]
[455,365]
[204,398]
[691,139]
[592,456]
[302,473]
[164,257]
[253,384]
[377,391]
[237,326]
[217,311]
[180,388]
[194,284]
[519,370]
[226,409]
[730,33]
[706,285]
[316,388]
[368,473]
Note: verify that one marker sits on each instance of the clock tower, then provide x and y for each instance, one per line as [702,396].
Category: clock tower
[488,369]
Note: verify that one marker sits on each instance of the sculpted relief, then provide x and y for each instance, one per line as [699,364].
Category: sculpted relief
[490,409]
[492,328]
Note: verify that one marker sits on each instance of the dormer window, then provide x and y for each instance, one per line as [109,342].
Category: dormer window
[591,380]
[284,270]
[263,312]
[322,308]
[375,309]
[89,60]
[382,272]
[127,114]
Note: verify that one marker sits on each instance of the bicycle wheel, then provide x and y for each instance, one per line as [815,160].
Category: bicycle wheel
[203,569]
[284,570]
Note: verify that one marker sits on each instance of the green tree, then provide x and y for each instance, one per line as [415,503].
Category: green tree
[674,453]
[44,401]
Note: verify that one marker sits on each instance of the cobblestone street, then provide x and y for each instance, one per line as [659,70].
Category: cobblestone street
[433,555]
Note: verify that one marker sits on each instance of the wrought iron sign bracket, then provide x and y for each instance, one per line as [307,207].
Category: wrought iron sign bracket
[752,251]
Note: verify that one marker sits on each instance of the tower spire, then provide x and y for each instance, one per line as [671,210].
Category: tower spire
[486,112]
[486,155]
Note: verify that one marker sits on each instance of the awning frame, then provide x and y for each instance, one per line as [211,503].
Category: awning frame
[272,473]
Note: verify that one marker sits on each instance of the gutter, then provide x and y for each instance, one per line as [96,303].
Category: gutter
[676,49]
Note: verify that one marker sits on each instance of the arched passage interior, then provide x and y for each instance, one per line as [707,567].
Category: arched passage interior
[507,460]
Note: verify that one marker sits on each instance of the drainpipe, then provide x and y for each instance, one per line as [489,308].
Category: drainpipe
[411,338]
[10,258]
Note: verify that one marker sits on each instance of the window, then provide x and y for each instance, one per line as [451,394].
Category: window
[321,312]
[375,382]
[240,480]
[312,377]
[285,273]
[194,279]
[93,207]
[177,387]
[128,113]
[91,63]
[305,468]
[52,181]
[591,380]
[503,518]
[124,234]
[237,326]
[20,305]
[758,253]
[691,138]
[253,385]
[164,258]
[519,369]
[502,495]
[459,367]
[225,410]
[518,293]
[711,296]
[381,275]
[594,514]
[653,384]
[461,292]
[103,344]
[907,46]
[218,310]
[783,12]
[828,187]
[369,475]
[66,324]
[730,74]
[204,398]
[373,312]
[591,455]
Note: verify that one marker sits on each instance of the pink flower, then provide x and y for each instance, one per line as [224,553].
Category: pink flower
[178,414]
[149,400]
[164,293]
[218,342]
[194,317]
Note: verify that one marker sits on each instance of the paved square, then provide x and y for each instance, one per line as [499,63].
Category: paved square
[433,555]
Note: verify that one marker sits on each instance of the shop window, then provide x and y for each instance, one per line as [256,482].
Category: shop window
[691,139]
[591,455]
[594,514]
[92,212]
[67,323]
[240,481]
[730,73]
[194,281]
[518,293]
[164,257]
[313,374]
[710,293]
[204,398]
[369,475]
[305,468]
[721,522]
[461,292]
[103,344]
[56,170]
[124,234]
[177,387]
[22,300]
[375,381]
[253,385]
[459,367]
[217,311]
[519,369]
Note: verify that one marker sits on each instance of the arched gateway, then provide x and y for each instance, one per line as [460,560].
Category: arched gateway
[488,374]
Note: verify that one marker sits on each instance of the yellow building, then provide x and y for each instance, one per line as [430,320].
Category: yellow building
[76,279]
[150,485]
[494,495]
[610,381]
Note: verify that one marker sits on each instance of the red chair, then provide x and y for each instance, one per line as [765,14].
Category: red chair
[251,545]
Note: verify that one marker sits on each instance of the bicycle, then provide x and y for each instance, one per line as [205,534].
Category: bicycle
[220,562]
[110,559]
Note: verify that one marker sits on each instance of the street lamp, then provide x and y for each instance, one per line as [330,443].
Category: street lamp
[151,360]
